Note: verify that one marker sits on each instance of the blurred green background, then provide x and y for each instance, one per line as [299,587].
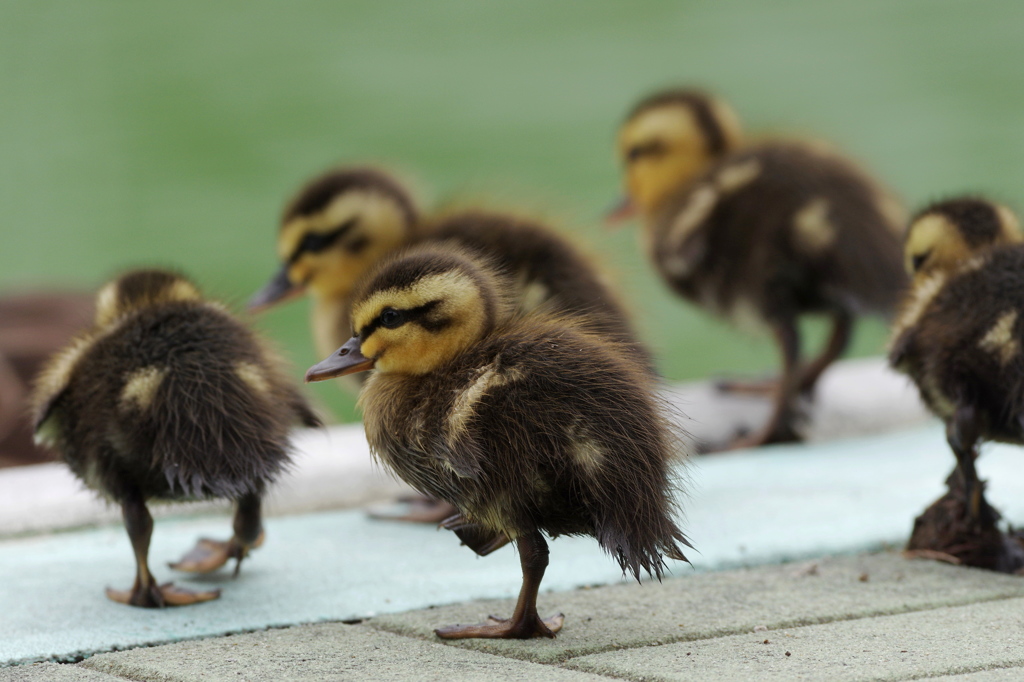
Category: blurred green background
[172,133]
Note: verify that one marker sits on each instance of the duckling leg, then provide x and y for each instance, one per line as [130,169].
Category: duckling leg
[781,425]
[525,623]
[838,340]
[473,535]
[145,592]
[962,434]
[209,555]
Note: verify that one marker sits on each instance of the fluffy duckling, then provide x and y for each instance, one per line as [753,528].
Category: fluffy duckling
[168,397]
[527,424]
[345,221]
[760,233]
[959,335]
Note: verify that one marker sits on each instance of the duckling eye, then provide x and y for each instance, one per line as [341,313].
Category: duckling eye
[315,242]
[391,318]
[646,149]
[918,260]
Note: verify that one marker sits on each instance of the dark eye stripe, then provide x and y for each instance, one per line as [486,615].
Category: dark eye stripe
[647,149]
[313,242]
[408,315]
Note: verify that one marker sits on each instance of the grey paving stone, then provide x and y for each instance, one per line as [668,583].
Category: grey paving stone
[719,604]
[328,651]
[908,646]
[1014,674]
[52,672]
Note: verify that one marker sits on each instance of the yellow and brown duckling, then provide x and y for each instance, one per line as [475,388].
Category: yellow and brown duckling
[959,335]
[168,397]
[529,425]
[762,233]
[343,222]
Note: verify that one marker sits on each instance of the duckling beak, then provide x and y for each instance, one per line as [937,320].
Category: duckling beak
[345,360]
[277,290]
[621,211]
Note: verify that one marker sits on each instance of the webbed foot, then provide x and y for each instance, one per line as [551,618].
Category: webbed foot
[209,555]
[505,628]
[159,596]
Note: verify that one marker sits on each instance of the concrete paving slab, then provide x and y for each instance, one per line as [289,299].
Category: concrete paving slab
[52,672]
[909,646]
[747,508]
[330,651]
[317,567]
[1014,674]
[720,604]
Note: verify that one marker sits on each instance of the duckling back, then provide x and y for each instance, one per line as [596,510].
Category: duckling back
[960,337]
[175,399]
[786,227]
[548,272]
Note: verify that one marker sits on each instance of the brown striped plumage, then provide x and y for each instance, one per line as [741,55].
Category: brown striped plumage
[168,397]
[345,221]
[959,337]
[377,216]
[761,233]
[528,424]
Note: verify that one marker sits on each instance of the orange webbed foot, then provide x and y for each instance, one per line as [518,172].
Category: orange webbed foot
[159,596]
[505,628]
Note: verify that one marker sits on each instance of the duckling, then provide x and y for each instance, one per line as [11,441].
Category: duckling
[168,397]
[527,424]
[345,221]
[761,233]
[959,334]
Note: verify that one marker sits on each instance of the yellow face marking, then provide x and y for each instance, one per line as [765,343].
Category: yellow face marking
[411,348]
[141,387]
[813,230]
[935,239]
[109,307]
[253,376]
[653,178]
[333,272]
[999,340]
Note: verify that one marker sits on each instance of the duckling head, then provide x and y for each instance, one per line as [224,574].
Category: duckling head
[416,312]
[334,230]
[666,141]
[949,232]
[140,289]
